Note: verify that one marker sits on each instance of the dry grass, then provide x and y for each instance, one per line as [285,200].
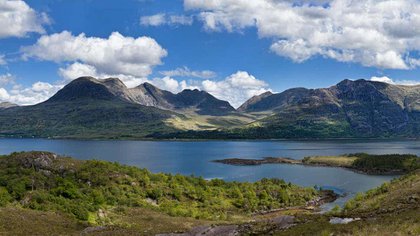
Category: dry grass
[17,221]
[343,161]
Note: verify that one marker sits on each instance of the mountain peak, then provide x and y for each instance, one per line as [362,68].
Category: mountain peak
[253,100]
[83,88]
[85,78]
[113,82]
[146,84]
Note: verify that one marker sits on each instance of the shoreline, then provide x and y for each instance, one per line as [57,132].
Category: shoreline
[213,140]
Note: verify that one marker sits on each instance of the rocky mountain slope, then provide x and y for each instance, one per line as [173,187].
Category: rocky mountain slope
[146,94]
[350,108]
[201,102]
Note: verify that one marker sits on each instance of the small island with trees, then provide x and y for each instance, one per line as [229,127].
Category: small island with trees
[389,164]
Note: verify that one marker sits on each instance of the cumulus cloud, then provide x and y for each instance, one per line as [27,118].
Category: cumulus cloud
[17,19]
[374,33]
[36,93]
[165,19]
[388,80]
[114,55]
[6,79]
[236,88]
[153,20]
[186,72]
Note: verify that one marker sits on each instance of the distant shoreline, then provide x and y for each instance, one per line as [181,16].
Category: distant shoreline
[207,140]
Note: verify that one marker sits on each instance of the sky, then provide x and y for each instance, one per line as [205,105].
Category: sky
[233,49]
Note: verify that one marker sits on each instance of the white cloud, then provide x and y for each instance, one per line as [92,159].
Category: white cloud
[4,95]
[76,70]
[2,60]
[164,19]
[388,80]
[180,20]
[6,79]
[115,55]
[36,93]
[167,83]
[374,33]
[154,20]
[186,72]
[235,89]
[17,19]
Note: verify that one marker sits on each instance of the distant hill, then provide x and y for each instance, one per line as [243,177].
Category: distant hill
[145,94]
[85,108]
[92,108]
[349,109]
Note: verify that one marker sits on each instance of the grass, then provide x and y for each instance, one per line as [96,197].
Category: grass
[193,121]
[403,223]
[342,161]
[19,221]
[151,222]
[130,221]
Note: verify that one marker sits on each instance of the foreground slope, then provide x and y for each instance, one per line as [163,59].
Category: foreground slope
[126,199]
[391,209]
[45,194]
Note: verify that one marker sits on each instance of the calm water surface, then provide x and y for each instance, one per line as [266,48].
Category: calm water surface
[195,158]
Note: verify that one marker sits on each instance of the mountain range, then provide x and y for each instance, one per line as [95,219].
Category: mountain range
[93,108]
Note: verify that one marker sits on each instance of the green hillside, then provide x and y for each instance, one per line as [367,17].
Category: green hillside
[103,193]
[84,118]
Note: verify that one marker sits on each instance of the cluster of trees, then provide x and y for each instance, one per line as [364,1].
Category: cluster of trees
[40,181]
[389,162]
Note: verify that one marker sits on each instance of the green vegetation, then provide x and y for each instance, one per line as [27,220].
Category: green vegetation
[384,163]
[390,209]
[84,118]
[367,163]
[264,129]
[46,194]
[90,191]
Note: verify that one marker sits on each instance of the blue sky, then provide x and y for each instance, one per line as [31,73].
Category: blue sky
[231,49]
